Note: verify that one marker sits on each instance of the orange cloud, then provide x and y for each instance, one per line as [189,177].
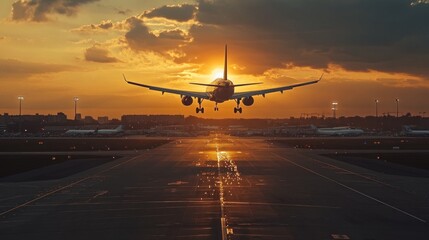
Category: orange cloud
[180,13]
[139,37]
[103,26]
[38,10]
[99,54]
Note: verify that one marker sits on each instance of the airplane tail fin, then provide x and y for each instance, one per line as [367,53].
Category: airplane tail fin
[225,68]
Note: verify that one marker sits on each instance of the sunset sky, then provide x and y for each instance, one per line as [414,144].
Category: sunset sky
[53,50]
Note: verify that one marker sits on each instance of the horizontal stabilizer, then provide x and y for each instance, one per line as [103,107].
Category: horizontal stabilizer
[207,85]
[247,84]
[213,85]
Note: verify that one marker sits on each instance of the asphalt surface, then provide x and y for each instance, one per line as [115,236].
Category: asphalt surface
[219,187]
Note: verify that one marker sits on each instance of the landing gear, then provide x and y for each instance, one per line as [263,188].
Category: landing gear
[199,108]
[238,108]
[216,108]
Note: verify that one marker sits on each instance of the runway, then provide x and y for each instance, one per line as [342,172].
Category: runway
[218,187]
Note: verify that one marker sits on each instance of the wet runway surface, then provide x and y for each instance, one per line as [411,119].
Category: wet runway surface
[219,188]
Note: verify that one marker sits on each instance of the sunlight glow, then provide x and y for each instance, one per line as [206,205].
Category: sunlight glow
[217,73]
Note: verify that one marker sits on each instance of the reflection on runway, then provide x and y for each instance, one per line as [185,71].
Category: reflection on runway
[218,187]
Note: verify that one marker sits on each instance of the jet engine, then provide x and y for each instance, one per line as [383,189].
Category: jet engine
[187,100]
[248,101]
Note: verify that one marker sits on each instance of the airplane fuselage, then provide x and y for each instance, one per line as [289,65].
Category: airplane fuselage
[222,92]
[339,131]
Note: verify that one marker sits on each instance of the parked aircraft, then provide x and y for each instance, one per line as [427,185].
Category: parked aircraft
[221,90]
[408,131]
[338,131]
[77,132]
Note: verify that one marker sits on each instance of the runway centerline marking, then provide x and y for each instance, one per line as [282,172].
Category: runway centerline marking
[352,189]
[221,200]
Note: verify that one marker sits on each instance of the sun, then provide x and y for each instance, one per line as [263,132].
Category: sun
[217,73]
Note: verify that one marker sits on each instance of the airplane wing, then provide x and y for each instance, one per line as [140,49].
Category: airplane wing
[202,95]
[262,92]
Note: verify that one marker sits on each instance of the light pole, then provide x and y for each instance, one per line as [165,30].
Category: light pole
[397,107]
[75,99]
[376,107]
[20,98]
[334,109]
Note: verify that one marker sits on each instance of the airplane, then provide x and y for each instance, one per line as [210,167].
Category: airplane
[337,131]
[221,90]
[85,132]
[408,131]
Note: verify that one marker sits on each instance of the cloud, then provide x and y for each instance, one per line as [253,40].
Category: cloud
[172,34]
[364,35]
[10,68]
[37,10]
[98,54]
[103,26]
[164,39]
[388,36]
[180,13]
[139,38]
